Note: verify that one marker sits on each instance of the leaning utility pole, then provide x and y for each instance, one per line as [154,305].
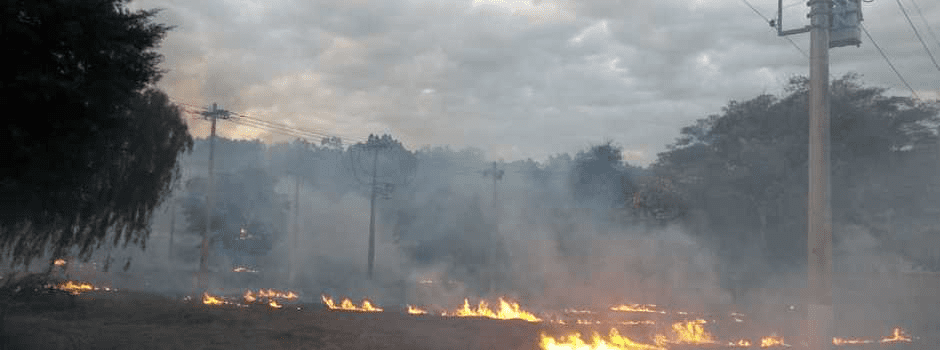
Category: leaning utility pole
[845,16]
[212,114]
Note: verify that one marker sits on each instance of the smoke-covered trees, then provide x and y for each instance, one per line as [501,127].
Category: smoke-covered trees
[744,170]
[90,150]
[245,202]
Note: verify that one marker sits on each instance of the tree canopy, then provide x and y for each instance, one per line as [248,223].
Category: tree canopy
[742,173]
[93,148]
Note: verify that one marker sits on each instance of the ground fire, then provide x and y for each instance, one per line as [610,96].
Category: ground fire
[347,305]
[506,311]
[413,310]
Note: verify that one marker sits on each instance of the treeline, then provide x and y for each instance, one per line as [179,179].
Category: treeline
[736,181]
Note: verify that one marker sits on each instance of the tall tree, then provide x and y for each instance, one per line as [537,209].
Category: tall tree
[93,149]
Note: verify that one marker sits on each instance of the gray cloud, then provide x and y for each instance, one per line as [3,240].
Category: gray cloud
[516,78]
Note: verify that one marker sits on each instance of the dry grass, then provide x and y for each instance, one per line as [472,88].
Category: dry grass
[127,320]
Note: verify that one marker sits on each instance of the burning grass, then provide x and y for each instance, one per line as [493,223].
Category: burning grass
[614,341]
[347,305]
[507,311]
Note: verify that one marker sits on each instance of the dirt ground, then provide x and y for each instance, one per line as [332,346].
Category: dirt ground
[134,320]
[128,320]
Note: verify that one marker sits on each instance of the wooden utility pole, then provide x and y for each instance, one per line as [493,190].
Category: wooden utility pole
[819,285]
[212,114]
[375,162]
[842,30]
[497,175]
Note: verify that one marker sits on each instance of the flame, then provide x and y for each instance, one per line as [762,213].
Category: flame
[273,293]
[690,332]
[898,336]
[249,297]
[772,340]
[211,300]
[636,308]
[507,311]
[637,323]
[274,304]
[614,342]
[243,269]
[743,343]
[75,287]
[584,322]
[841,341]
[347,305]
[575,311]
[59,262]
[415,311]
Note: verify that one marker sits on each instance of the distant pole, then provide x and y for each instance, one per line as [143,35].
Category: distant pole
[212,114]
[497,175]
[375,160]
[296,231]
[819,297]
[172,229]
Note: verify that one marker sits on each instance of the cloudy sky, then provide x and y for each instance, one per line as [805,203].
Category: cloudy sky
[516,78]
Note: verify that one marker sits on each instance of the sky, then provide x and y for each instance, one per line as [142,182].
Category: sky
[517,79]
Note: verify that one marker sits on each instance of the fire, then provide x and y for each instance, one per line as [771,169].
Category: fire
[772,340]
[243,269]
[75,287]
[614,342]
[249,297]
[507,311]
[211,300]
[636,308]
[586,322]
[743,343]
[691,332]
[898,336]
[415,311]
[841,341]
[59,262]
[575,311]
[347,305]
[274,304]
[637,323]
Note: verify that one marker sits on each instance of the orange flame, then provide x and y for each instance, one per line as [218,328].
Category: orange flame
[59,262]
[614,341]
[75,288]
[415,311]
[690,332]
[636,308]
[274,304]
[211,300]
[743,343]
[348,305]
[772,340]
[507,311]
[898,336]
[249,297]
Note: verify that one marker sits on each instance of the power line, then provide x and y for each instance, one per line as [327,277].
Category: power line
[270,126]
[768,21]
[889,61]
[926,23]
[919,38]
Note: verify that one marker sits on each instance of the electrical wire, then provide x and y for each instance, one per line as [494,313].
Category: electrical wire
[916,33]
[768,20]
[268,125]
[926,23]
[889,61]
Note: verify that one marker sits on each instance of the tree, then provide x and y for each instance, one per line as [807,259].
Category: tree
[600,174]
[93,148]
[744,170]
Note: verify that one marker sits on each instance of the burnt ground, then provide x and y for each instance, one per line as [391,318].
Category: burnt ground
[128,320]
[134,320]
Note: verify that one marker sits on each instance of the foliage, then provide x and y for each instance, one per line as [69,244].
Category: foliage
[92,150]
[744,170]
[244,200]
